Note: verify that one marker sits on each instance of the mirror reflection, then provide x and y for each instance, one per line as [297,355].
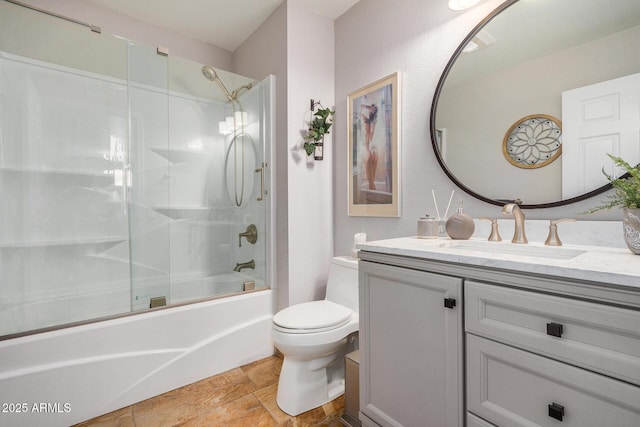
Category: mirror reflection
[568,64]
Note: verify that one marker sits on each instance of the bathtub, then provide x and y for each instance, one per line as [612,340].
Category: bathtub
[44,309]
[70,375]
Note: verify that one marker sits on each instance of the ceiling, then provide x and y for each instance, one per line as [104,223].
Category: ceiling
[223,23]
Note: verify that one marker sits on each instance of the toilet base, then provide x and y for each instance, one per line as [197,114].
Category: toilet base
[302,387]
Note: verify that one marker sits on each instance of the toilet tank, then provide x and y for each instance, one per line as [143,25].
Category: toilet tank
[342,284]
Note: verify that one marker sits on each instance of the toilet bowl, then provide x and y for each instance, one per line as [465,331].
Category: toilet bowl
[313,337]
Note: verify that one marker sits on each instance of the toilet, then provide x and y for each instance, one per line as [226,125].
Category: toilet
[313,337]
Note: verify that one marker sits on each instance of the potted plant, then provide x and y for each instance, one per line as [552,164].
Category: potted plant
[318,128]
[627,197]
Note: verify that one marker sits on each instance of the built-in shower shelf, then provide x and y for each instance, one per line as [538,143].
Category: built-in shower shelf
[186,212]
[137,268]
[181,155]
[104,177]
[99,243]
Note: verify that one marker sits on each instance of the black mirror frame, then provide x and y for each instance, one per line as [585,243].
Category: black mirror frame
[432,123]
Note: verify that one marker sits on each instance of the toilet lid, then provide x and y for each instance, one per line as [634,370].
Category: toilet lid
[313,315]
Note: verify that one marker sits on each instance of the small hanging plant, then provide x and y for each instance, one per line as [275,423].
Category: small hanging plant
[318,128]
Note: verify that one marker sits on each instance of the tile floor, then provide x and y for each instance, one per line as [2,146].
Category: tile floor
[245,396]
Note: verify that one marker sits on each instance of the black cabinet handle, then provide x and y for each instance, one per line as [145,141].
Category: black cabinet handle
[449,302]
[554,329]
[556,411]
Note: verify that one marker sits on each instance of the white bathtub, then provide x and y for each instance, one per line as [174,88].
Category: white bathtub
[70,375]
[60,307]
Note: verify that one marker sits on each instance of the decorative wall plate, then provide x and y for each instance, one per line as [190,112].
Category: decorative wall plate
[533,141]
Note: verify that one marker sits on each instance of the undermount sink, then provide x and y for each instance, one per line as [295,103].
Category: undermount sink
[484,246]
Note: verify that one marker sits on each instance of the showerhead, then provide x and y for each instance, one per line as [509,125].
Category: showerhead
[209,73]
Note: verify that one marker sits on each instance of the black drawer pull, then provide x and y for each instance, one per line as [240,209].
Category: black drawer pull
[449,302]
[554,329]
[556,411]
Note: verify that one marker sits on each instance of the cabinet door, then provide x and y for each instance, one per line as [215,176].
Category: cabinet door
[411,347]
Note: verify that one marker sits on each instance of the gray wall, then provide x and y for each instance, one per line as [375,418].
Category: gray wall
[297,46]
[416,37]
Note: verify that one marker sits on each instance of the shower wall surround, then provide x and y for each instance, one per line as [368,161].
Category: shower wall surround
[64,137]
[112,177]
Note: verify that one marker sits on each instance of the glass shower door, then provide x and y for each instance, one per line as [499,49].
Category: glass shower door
[63,138]
[120,189]
[149,178]
[256,103]
[215,168]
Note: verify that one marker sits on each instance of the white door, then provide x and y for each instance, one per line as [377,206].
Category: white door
[598,119]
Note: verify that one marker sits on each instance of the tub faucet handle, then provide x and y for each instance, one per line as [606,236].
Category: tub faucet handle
[552,238]
[251,234]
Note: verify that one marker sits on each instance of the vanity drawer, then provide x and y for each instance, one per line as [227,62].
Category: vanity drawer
[598,337]
[512,387]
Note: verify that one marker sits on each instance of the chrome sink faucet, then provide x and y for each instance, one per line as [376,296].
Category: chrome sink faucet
[519,235]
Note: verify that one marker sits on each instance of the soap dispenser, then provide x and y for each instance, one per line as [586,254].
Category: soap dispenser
[460,226]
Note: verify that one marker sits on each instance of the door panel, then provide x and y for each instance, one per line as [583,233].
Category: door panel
[598,119]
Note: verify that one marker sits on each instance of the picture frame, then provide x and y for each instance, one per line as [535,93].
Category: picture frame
[373,121]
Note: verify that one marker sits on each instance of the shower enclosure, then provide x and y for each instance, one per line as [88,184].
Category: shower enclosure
[128,180]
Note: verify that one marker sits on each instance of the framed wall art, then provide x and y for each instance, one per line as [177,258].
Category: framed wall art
[373,118]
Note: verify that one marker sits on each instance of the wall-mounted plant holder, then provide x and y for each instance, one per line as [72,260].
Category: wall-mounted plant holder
[318,128]
[318,152]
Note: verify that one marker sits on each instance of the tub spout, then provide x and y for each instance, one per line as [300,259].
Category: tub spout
[240,265]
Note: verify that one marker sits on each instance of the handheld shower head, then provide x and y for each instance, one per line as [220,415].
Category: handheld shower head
[211,74]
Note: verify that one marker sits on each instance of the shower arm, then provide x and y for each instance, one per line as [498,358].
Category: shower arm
[236,92]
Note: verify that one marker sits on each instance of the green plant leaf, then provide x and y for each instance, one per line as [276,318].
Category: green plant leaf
[627,189]
[309,148]
[320,125]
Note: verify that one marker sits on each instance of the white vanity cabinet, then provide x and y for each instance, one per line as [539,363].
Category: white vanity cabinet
[411,337]
[528,342]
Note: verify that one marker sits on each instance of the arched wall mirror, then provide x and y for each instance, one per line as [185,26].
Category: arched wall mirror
[571,66]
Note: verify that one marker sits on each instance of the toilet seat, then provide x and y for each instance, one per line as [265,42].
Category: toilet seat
[312,317]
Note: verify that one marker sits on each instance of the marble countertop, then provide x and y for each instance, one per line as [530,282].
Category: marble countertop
[613,266]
